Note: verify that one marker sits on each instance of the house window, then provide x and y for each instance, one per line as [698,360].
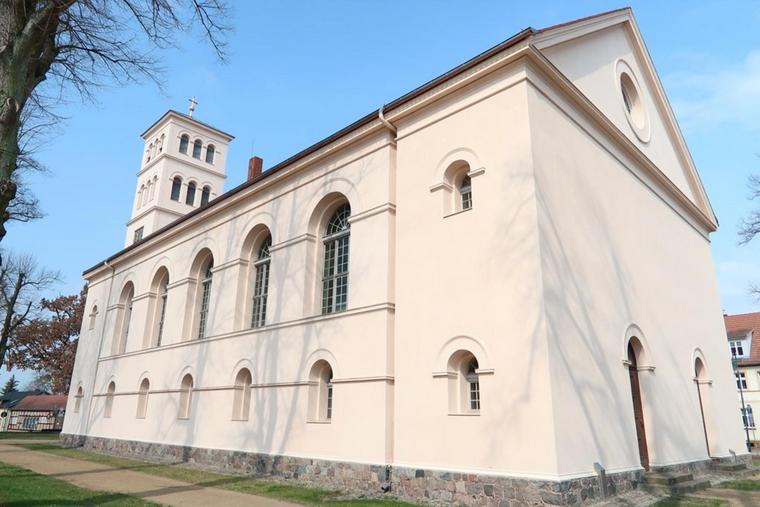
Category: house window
[183,142]
[241,405]
[210,150]
[138,234]
[110,394]
[176,188]
[197,145]
[163,297]
[465,192]
[190,197]
[747,417]
[205,298]
[261,284]
[335,272]
[321,392]
[205,195]
[741,381]
[142,399]
[185,396]
[78,400]
[737,348]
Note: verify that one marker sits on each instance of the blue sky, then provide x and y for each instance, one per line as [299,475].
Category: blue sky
[298,71]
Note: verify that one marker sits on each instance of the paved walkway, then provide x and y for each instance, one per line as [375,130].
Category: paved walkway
[98,477]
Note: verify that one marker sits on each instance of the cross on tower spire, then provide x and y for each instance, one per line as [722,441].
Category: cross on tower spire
[191,109]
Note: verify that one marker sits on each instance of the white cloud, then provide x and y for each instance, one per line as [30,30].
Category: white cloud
[706,97]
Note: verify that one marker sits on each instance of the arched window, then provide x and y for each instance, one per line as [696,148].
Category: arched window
[465,193]
[150,153]
[190,197]
[321,391]
[203,308]
[146,193]
[241,404]
[142,398]
[153,184]
[141,196]
[261,284]
[122,335]
[176,188]
[335,271]
[110,394]
[93,317]
[464,385]
[183,142]
[185,396]
[163,295]
[161,143]
[210,153]
[197,145]
[78,400]
[205,195]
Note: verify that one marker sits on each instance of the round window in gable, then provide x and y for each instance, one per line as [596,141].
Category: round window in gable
[633,104]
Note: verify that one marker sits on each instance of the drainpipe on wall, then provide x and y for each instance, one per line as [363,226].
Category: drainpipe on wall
[388,124]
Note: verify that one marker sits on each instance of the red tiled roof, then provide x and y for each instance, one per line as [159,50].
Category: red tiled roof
[43,402]
[741,324]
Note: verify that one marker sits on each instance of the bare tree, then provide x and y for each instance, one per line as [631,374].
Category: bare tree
[21,281]
[79,45]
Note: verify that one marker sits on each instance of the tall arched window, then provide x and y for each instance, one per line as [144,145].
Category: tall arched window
[203,308]
[154,182]
[163,295]
[464,386]
[161,143]
[93,317]
[261,284]
[78,400]
[321,391]
[197,145]
[127,296]
[183,142]
[146,193]
[210,150]
[465,193]
[176,188]
[241,404]
[150,153]
[142,398]
[335,271]
[190,197]
[110,394]
[205,195]
[185,396]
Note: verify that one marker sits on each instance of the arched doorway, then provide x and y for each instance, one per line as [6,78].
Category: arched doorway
[634,349]
[700,379]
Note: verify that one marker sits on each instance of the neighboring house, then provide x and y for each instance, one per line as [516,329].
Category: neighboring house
[504,275]
[743,332]
[43,412]
[9,401]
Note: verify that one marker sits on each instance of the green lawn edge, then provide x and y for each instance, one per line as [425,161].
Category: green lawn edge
[21,486]
[241,484]
[22,435]
[690,502]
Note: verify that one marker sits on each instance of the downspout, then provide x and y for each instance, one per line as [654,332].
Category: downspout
[389,125]
[100,347]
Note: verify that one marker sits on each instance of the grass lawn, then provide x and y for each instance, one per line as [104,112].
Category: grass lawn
[19,486]
[690,502]
[241,484]
[742,484]
[9,435]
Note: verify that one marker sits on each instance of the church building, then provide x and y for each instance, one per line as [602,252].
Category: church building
[497,287]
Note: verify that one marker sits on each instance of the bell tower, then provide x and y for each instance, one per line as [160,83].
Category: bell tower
[183,168]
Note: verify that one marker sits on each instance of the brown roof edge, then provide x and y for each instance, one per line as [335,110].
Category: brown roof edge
[586,18]
[519,36]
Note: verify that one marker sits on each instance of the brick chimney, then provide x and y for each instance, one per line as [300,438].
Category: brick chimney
[254,167]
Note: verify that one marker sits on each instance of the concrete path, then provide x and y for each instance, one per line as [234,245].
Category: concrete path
[98,477]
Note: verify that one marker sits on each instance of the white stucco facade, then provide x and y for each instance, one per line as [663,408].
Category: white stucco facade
[583,233]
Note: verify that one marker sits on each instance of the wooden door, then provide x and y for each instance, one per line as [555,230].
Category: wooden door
[638,412]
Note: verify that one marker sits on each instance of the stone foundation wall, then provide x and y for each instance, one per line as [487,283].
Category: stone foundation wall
[368,480]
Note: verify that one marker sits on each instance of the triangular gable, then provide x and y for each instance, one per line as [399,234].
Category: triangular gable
[590,52]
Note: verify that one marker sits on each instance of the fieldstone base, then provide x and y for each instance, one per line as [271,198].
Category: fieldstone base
[375,480]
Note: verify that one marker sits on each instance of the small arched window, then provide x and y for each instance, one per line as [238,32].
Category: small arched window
[261,283]
[176,188]
[142,398]
[197,146]
[161,143]
[190,197]
[465,193]
[78,400]
[153,184]
[127,298]
[149,153]
[93,317]
[464,385]
[110,395]
[185,396]
[321,391]
[206,277]
[335,272]
[163,297]
[241,404]
[146,193]
[183,143]
[210,150]
[205,195]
